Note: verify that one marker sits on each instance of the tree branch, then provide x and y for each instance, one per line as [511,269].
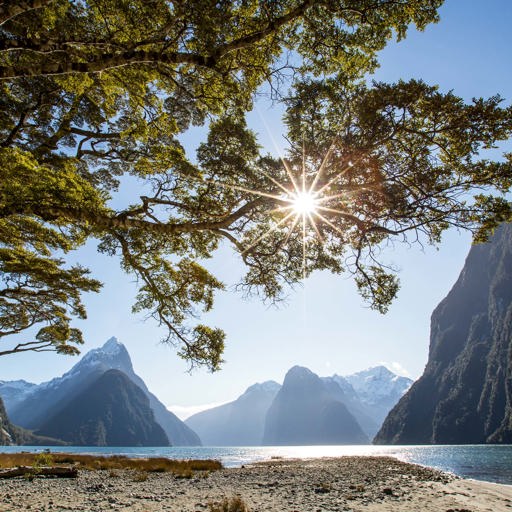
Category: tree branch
[35,346]
[105,61]
[104,220]
[9,9]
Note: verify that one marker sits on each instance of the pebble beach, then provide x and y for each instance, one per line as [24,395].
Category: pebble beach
[346,484]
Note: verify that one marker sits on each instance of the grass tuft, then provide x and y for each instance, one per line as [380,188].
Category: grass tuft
[234,504]
[140,476]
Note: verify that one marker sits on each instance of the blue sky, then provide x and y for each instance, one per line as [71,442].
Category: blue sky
[324,325]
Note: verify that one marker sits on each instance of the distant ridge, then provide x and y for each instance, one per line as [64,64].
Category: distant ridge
[15,391]
[238,423]
[379,390]
[12,435]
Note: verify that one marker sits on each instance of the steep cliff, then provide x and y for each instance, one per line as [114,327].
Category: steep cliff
[8,432]
[465,393]
[12,435]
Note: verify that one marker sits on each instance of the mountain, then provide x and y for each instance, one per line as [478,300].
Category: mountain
[241,423]
[237,423]
[379,390]
[47,399]
[465,393]
[343,391]
[306,412]
[15,391]
[112,411]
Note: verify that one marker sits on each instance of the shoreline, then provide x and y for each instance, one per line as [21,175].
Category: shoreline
[480,462]
[341,484]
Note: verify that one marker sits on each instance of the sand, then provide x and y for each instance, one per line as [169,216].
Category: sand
[342,484]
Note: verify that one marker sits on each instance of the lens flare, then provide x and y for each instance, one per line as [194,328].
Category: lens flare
[304,203]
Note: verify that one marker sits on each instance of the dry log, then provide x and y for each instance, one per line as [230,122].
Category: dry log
[57,471]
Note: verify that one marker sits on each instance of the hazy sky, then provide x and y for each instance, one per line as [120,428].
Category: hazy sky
[324,325]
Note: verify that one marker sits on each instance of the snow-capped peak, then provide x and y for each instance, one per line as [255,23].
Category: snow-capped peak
[112,346]
[110,350]
[379,383]
[112,355]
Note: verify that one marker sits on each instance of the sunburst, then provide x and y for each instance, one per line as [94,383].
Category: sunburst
[303,205]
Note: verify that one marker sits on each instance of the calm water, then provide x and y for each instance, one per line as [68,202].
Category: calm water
[482,462]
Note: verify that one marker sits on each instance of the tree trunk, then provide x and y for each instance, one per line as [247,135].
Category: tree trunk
[57,471]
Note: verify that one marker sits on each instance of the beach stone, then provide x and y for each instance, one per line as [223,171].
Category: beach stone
[346,484]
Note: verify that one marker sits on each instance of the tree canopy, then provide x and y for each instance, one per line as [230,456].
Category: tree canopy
[93,92]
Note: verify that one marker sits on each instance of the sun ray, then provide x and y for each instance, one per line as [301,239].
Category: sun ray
[322,166]
[334,210]
[315,227]
[346,193]
[276,147]
[329,223]
[292,228]
[303,166]
[282,187]
[304,246]
[290,174]
[267,233]
[304,207]
[325,199]
[341,173]
[281,209]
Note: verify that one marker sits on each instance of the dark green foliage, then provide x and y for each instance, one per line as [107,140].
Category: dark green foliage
[91,93]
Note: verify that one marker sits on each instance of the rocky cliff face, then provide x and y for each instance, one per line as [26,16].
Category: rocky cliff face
[8,433]
[112,411]
[465,393]
[12,435]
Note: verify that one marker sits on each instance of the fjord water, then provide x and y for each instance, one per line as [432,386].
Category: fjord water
[492,463]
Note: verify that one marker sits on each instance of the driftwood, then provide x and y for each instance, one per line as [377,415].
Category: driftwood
[57,471]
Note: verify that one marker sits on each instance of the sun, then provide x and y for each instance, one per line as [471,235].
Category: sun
[304,203]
